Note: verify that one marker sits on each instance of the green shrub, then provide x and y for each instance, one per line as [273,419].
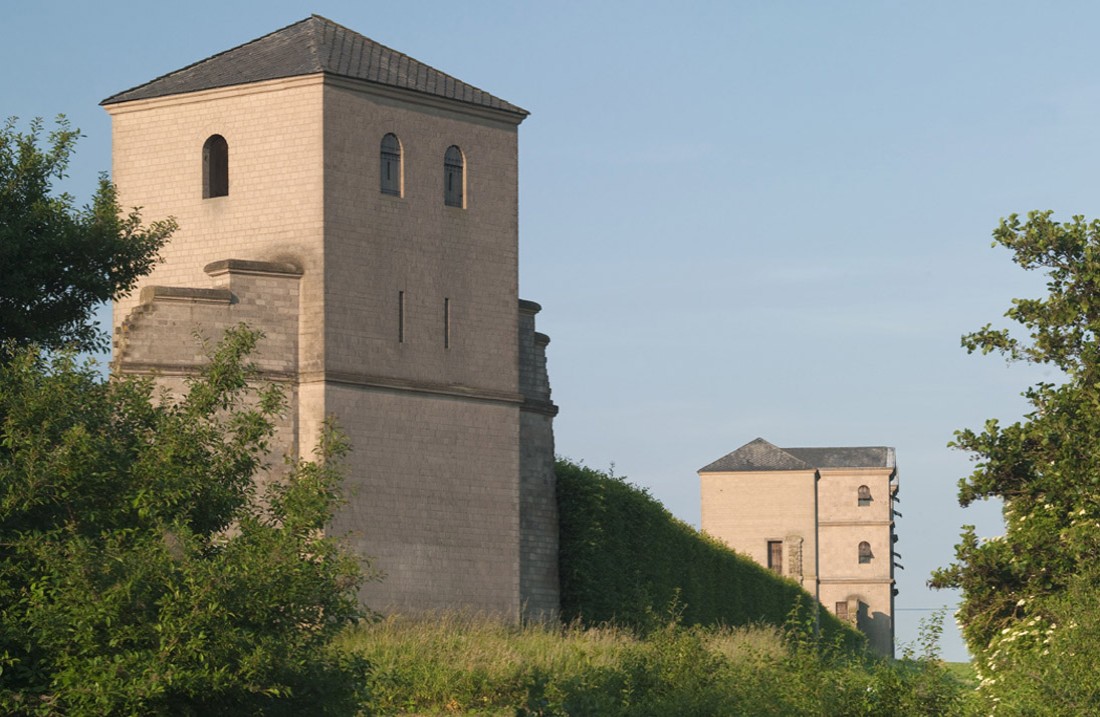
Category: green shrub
[140,572]
[625,559]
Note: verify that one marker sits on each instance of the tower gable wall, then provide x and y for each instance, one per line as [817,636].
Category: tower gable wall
[746,510]
[273,211]
[380,247]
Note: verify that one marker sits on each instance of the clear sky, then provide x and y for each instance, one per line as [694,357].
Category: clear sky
[742,219]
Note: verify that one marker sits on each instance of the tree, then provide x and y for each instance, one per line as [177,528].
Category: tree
[142,570]
[1046,467]
[57,262]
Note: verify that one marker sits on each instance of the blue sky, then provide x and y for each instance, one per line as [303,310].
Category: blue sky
[741,219]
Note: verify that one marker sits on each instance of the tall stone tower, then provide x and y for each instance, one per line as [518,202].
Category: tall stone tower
[823,517]
[360,208]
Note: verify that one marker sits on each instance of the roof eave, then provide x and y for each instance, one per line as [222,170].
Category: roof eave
[498,113]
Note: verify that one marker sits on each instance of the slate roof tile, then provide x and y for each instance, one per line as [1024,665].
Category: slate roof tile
[760,455]
[308,47]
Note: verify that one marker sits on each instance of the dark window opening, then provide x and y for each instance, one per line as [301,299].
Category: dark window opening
[391,165]
[215,167]
[865,554]
[775,555]
[446,323]
[401,317]
[864,496]
[454,177]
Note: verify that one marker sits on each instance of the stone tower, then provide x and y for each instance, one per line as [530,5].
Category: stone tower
[823,517]
[360,208]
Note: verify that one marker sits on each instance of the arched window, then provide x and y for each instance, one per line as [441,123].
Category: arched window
[391,165]
[215,167]
[865,552]
[454,177]
[864,495]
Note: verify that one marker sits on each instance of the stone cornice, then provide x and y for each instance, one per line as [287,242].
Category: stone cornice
[182,369]
[444,104]
[389,383]
[252,268]
[529,307]
[547,408]
[281,83]
[149,294]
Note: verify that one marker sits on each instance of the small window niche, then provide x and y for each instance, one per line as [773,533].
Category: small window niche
[401,317]
[391,181]
[454,178]
[215,167]
[864,496]
[446,323]
[865,555]
[775,555]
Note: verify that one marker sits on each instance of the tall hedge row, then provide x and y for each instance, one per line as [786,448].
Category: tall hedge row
[624,559]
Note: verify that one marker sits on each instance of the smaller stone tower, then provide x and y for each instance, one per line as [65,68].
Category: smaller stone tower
[821,516]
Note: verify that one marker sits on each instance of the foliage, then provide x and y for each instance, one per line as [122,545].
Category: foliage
[140,570]
[1045,468]
[464,665]
[1046,665]
[624,559]
[57,262]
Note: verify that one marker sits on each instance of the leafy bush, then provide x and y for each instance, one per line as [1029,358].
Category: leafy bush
[1029,595]
[140,572]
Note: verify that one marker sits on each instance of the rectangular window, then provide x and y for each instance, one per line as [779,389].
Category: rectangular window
[842,610]
[401,317]
[775,555]
[446,323]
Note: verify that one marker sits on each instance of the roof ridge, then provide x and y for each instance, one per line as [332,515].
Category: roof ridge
[406,61]
[747,458]
[313,44]
[196,63]
[785,451]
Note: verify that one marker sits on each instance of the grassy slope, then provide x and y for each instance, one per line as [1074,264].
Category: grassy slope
[457,665]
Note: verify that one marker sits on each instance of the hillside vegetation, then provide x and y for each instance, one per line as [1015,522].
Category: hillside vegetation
[461,665]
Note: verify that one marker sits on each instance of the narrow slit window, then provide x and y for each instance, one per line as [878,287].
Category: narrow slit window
[446,323]
[215,167]
[401,317]
[391,179]
[865,554]
[864,496]
[454,177]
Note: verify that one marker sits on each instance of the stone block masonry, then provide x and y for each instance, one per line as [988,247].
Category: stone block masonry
[393,311]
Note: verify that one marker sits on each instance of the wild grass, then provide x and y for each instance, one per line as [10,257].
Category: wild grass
[458,664]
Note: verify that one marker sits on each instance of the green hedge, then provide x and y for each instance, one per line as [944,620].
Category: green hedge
[625,559]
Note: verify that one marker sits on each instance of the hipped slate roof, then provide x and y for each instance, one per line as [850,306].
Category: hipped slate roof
[759,455]
[308,47]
